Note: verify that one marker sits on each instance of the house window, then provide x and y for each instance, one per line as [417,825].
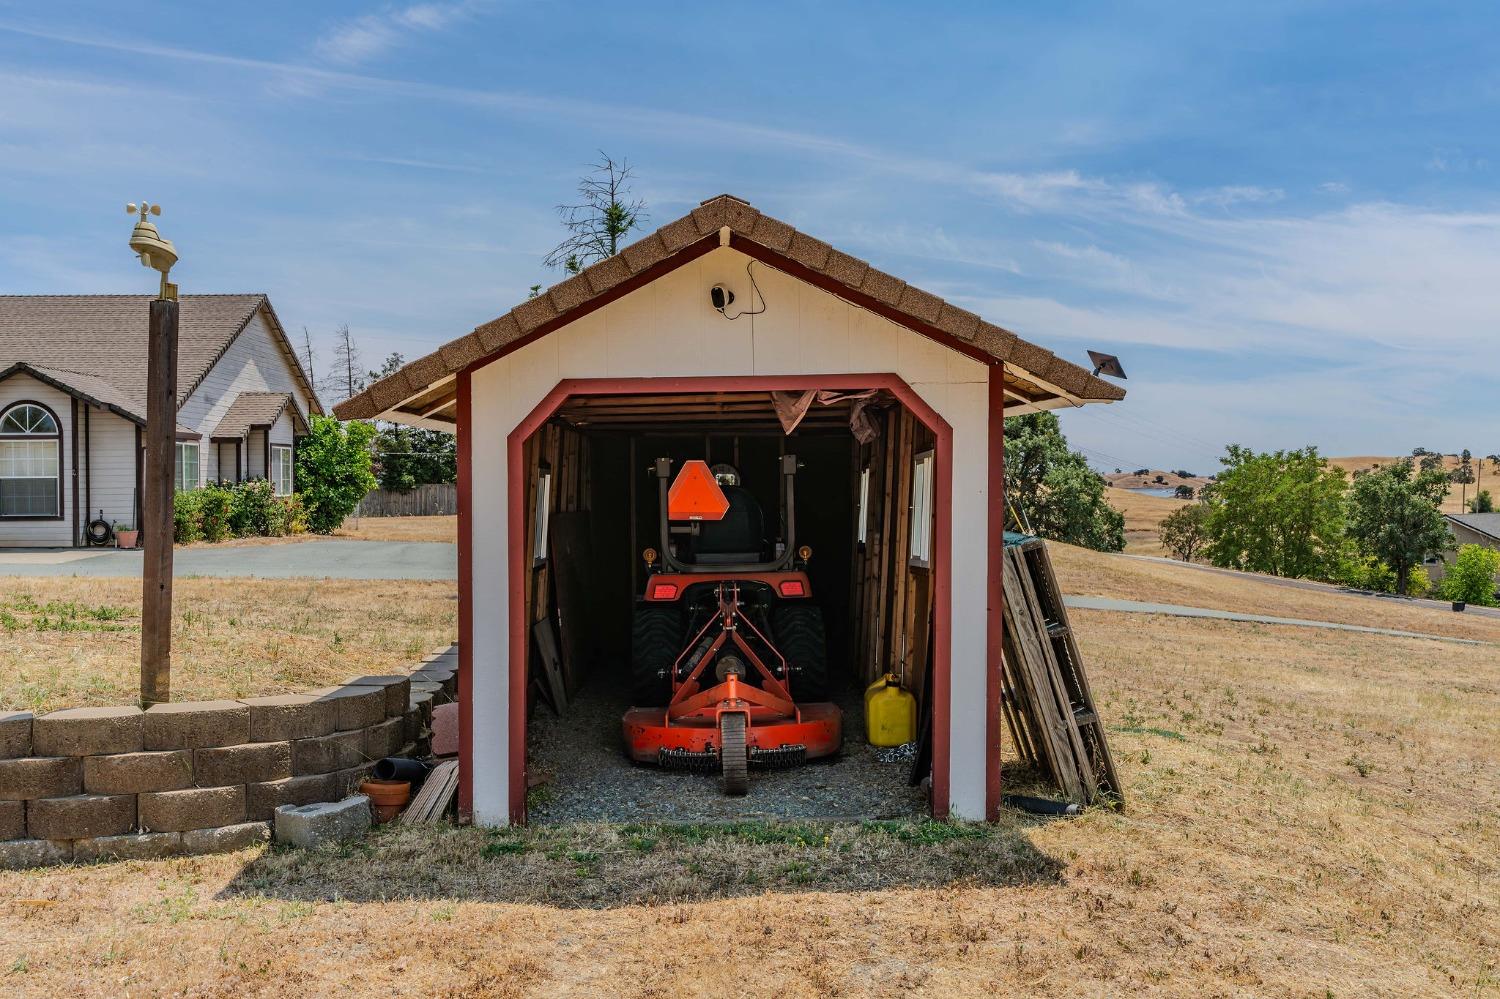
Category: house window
[30,466]
[187,467]
[862,514]
[540,516]
[281,470]
[921,511]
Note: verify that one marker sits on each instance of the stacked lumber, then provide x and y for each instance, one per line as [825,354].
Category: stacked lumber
[431,803]
[1045,699]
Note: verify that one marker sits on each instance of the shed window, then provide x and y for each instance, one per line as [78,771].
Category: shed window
[30,463]
[540,516]
[862,514]
[921,511]
[187,466]
[281,470]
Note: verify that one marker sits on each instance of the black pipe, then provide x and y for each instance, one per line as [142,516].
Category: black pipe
[400,768]
[1039,806]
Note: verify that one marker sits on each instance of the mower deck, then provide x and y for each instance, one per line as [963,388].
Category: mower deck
[651,737]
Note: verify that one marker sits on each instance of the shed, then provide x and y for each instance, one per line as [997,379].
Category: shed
[560,404]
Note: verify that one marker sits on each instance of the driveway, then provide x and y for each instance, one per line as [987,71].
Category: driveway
[333,559]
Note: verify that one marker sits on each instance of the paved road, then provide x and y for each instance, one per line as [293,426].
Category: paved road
[333,559]
[1178,610]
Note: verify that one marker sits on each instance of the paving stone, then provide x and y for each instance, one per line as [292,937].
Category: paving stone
[40,777]
[226,838]
[262,799]
[87,732]
[357,707]
[16,854]
[80,816]
[132,846]
[445,730]
[328,753]
[310,826]
[396,688]
[197,724]
[131,773]
[283,717]
[193,808]
[12,820]
[15,734]
[385,739]
[253,761]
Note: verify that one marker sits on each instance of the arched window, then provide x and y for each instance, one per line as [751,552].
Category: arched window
[30,462]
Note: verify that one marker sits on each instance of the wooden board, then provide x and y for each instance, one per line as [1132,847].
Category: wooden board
[553,687]
[573,560]
[432,802]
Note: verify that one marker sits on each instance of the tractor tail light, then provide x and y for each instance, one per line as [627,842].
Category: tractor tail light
[792,588]
[663,591]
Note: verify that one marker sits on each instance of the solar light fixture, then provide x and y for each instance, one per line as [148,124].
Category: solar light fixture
[1107,364]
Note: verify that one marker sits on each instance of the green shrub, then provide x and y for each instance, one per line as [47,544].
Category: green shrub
[187,516]
[334,471]
[1419,584]
[1471,578]
[215,502]
[250,511]
[295,514]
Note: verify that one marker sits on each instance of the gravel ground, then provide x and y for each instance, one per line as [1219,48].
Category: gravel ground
[589,778]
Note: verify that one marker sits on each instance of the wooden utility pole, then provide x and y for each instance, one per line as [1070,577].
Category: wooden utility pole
[156,510]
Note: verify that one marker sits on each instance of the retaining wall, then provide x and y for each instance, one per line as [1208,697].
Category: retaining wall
[85,784]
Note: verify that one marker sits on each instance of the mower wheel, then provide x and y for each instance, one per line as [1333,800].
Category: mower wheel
[656,639]
[801,639]
[734,754]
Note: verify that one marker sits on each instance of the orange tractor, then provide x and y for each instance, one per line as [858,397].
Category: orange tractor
[728,654]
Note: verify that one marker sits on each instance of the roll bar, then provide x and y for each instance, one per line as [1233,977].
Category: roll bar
[789,466]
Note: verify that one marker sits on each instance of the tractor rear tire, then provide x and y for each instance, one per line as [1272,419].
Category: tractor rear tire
[801,639]
[656,639]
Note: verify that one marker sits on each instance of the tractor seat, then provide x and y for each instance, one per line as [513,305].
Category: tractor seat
[740,537]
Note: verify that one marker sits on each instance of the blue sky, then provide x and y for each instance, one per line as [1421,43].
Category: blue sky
[1283,217]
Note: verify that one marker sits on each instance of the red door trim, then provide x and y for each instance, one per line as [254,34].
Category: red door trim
[465,599]
[516,554]
[994,620]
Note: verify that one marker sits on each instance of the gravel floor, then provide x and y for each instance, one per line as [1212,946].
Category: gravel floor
[590,779]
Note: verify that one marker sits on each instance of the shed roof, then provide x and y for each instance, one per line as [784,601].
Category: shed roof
[254,409]
[1035,376]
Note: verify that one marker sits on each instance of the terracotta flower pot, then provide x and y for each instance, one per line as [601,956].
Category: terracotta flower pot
[387,797]
[127,539]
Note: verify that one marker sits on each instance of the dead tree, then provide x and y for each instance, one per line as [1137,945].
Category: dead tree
[603,215]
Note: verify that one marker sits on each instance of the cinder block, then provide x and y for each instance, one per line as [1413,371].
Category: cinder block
[131,773]
[253,761]
[357,707]
[385,739]
[16,854]
[328,753]
[196,725]
[436,691]
[445,730]
[87,732]
[411,728]
[193,808]
[12,820]
[15,734]
[310,826]
[226,838]
[80,816]
[283,717]
[134,846]
[40,777]
[396,690]
[262,799]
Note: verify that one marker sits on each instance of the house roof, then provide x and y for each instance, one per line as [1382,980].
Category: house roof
[1034,376]
[253,409]
[92,341]
[1487,524]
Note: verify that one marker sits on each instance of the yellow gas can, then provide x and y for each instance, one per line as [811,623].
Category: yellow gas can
[890,713]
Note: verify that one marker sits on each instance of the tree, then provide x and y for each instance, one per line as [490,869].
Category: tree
[344,380]
[1184,491]
[1052,488]
[307,357]
[1464,476]
[409,457]
[333,470]
[1184,532]
[1281,512]
[1395,515]
[1482,502]
[603,215]
[393,363]
[1471,578]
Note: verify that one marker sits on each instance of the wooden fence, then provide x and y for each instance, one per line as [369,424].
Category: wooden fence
[424,501]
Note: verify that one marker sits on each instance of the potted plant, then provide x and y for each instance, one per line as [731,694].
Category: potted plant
[125,536]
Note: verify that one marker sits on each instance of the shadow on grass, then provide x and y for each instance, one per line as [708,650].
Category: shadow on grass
[593,866]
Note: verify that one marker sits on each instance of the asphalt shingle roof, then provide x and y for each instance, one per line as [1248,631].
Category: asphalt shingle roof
[251,409]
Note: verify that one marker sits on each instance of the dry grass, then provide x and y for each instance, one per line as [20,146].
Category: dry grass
[1487,473]
[71,641]
[1143,516]
[1310,814]
[400,529]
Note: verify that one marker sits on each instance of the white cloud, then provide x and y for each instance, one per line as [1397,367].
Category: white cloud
[371,36]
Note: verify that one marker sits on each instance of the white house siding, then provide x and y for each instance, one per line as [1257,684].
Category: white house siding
[255,362]
[111,481]
[255,455]
[669,328]
[24,533]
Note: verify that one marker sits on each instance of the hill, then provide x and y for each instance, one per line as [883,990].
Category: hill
[1156,479]
[1486,475]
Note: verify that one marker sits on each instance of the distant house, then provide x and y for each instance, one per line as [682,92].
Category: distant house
[1467,529]
[73,406]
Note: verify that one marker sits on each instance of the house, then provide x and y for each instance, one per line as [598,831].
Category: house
[693,343]
[73,405]
[1467,529]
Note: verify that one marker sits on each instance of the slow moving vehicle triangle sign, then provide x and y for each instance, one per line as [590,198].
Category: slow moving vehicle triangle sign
[695,495]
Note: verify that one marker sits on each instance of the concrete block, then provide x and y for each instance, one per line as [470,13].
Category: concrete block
[328,753]
[253,761]
[15,734]
[438,692]
[262,799]
[193,808]
[284,717]
[310,826]
[16,854]
[40,777]
[356,707]
[445,730]
[226,838]
[197,724]
[346,782]
[411,728]
[396,690]
[385,739]
[131,773]
[87,732]
[12,820]
[80,816]
[133,846]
